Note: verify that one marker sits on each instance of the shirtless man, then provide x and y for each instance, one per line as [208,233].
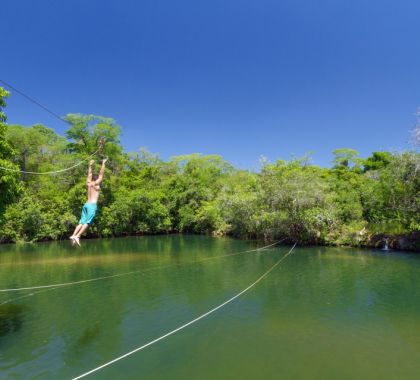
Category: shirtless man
[93,187]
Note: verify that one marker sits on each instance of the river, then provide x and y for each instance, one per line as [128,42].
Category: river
[322,313]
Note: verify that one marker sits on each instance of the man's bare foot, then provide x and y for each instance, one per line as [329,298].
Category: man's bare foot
[72,240]
[76,240]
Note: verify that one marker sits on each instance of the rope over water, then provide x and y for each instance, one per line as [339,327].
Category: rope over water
[188,323]
[128,273]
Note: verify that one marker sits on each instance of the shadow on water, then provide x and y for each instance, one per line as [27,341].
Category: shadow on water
[88,336]
[11,318]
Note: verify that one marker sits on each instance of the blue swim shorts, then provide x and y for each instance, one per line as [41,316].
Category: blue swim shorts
[88,213]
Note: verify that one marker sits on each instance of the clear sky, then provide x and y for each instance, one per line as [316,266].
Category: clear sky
[237,78]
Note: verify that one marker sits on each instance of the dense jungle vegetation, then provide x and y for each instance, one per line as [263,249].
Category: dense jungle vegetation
[344,204]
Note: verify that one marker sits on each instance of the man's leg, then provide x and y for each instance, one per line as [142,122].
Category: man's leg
[80,232]
[76,230]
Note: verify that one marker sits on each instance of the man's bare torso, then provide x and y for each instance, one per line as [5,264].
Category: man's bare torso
[93,190]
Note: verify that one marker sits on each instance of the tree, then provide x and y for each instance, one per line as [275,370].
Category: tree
[36,148]
[347,158]
[202,194]
[9,182]
[85,130]
[195,180]
[377,161]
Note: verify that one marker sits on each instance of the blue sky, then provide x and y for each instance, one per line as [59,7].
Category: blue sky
[236,78]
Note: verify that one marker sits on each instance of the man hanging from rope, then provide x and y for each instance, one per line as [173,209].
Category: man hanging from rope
[93,188]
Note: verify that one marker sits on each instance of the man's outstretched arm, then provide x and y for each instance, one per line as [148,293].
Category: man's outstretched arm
[89,176]
[101,172]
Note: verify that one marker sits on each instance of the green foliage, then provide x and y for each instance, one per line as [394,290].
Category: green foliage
[394,193]
[143,194]
[294,198]
[345,190]
[9,184]
[34,220]
[345,157]
[3,95]
[377,161]
[135,212]
[36,148]
[195,180]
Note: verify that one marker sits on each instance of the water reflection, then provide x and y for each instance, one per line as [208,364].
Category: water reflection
[321,305]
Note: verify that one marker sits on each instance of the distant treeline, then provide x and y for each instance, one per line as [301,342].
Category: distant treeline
[142,194]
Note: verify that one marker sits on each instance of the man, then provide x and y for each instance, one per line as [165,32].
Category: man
[93,187]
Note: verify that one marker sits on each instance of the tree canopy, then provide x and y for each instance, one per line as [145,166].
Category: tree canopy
[199,193]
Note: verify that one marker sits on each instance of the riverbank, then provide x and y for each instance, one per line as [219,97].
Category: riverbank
[401,242]
[409,241]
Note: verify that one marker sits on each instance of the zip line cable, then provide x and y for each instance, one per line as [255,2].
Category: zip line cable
[53,171]
[99,150]
[188,323]
[101,140]
[34,101]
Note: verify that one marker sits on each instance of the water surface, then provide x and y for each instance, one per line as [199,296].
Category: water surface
[324,313]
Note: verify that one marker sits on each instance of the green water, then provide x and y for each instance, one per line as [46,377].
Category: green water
[324,313]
